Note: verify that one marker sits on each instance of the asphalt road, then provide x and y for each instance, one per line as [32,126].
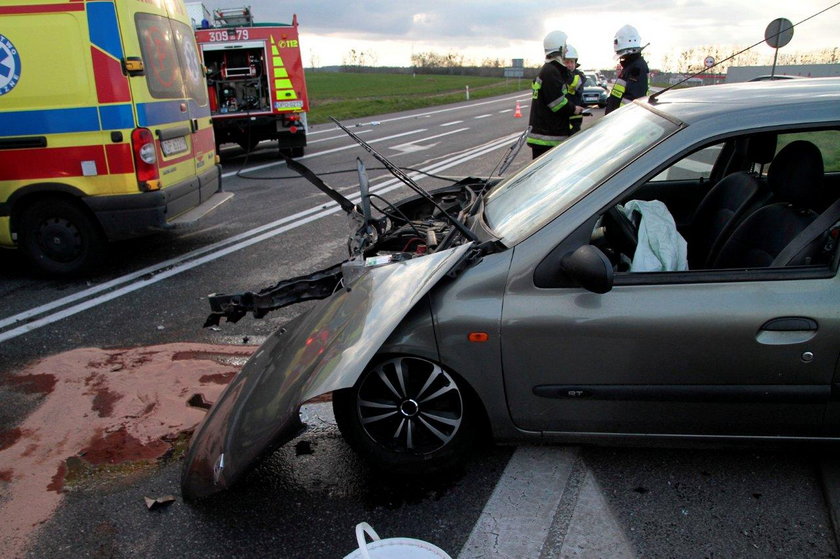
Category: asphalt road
[306,499]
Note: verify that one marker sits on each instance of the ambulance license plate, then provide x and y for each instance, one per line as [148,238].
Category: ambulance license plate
[173,146]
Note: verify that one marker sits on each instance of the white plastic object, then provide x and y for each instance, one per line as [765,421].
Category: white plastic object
[392,548]
[555,41]
[627,40]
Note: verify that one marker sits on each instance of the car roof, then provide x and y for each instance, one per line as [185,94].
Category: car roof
[776,101]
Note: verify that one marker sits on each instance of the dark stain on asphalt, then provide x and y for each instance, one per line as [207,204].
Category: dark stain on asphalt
[218,378]
[119,446]
[32,384]
[9,437]
[103,402]
[57,483]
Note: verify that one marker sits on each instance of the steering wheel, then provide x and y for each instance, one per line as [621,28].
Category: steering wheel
[620,231]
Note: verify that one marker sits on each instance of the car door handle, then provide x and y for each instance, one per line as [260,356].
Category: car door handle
[787,330]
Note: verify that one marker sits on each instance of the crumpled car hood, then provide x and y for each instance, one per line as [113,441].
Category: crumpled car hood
[323,350]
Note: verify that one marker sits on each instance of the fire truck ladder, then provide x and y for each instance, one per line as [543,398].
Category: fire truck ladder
[234,17]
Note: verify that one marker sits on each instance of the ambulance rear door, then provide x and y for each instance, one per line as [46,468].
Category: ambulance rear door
[170,99]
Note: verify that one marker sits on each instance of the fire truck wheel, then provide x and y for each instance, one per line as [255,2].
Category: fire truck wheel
[60,238]
[292,152]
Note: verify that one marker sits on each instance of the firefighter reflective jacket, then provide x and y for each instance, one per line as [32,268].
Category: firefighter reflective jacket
[575,97]
[550,108]
[631,83]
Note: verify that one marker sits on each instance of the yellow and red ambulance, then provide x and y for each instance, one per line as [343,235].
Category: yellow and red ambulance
[105,129]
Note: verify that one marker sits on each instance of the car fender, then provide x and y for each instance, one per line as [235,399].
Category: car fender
[324,350]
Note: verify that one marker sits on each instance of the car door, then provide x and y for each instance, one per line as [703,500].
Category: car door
[706,352]
[728,357]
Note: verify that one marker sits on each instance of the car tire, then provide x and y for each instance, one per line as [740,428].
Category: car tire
[409,416]
[60,238]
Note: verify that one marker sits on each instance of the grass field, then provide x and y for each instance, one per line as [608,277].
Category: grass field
[346,95]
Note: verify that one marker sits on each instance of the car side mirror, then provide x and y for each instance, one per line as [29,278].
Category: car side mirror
[589,268]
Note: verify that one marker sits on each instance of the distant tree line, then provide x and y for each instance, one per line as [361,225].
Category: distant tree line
[691,60]
[685,61]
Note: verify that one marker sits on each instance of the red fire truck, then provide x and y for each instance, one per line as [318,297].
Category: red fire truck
[255,79]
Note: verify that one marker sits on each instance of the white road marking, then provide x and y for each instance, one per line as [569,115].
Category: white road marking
[505,111]
[547,504]
[482,116]
[518,96]
[320,153]
[454,122]
[417,146]
[516,519]
[172,267]
[340,136]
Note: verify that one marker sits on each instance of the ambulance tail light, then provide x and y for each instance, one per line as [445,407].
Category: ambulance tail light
[145,159]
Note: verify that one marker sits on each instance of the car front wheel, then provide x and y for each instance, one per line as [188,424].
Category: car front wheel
[408,415]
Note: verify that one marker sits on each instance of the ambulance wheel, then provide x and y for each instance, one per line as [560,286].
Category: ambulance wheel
[60,238]
[409,416]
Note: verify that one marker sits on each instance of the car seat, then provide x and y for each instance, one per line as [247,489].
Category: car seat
[795,178]
[727,203]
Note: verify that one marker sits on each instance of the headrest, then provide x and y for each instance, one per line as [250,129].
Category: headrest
[762,147]
[796,174]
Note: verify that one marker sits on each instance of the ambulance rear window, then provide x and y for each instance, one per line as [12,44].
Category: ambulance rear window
[160,56]
[190,62]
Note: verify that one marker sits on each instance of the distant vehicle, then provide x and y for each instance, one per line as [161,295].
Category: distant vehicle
[595,77]
[531,308]
[593,92]
[768,77]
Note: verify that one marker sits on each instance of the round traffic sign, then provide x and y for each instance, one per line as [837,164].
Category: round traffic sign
[709,62]
[778,33]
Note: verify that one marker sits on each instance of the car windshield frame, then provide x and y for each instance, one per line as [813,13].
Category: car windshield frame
[521,205]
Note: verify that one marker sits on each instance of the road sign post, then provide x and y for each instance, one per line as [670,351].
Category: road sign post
[778,34]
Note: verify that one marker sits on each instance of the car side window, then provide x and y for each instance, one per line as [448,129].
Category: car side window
[827,141]
[697,165]
[775,214]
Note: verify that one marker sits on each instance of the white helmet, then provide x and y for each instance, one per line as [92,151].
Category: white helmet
[555,42]
[627,40]
[571,52]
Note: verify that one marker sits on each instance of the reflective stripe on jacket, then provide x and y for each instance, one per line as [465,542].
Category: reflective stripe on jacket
[631,82]
[550,108]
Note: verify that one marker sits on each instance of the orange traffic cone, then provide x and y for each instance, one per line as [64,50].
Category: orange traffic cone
[518,112]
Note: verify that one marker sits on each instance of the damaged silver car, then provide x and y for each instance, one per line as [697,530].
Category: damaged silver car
[670,271]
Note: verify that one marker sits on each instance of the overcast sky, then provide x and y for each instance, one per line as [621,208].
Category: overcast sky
[390,30]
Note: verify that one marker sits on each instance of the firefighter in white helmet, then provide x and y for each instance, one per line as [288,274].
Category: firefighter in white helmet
[550,108]
[632,80]
[575,86]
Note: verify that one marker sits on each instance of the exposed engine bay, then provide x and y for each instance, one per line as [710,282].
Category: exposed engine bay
[419,225]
